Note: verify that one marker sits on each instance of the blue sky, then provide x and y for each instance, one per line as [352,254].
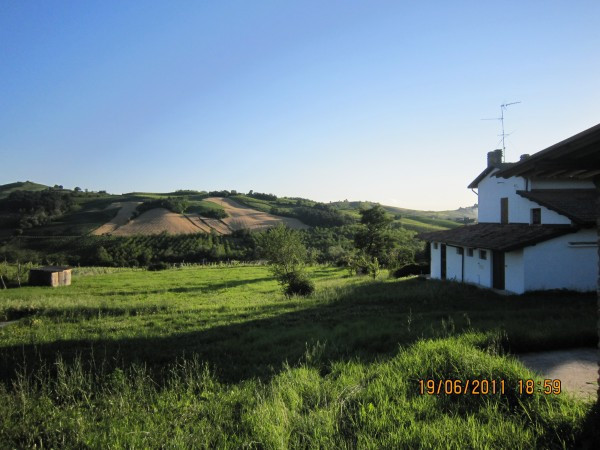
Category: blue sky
[329,100]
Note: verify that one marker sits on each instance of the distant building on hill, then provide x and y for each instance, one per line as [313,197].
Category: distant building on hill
[537,222]
[50,276]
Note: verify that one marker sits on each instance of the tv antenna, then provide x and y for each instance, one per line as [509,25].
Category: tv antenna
[503,107]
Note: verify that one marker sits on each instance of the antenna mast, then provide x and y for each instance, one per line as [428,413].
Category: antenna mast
[503,107]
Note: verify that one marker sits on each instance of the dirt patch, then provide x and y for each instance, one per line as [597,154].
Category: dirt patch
[156,221]
[122,217]
[159,220]
[577,369]
[4,324]
[218,225]
[198,222]
[243,217]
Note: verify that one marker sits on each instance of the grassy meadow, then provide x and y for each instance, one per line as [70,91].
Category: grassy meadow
[218,357]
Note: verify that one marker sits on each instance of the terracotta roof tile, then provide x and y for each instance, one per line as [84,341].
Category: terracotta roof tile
[495,236]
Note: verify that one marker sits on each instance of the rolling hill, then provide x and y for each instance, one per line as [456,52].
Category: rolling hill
[223,212]
[6,189]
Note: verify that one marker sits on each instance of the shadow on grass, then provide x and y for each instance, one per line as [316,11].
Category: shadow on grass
[201,289]
[589,435]
[365,322]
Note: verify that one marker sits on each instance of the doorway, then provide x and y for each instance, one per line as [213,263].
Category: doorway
[443,261]
[498,270]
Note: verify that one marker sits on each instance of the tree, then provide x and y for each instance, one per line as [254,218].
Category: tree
[379,244]
[286,253]
[371,238]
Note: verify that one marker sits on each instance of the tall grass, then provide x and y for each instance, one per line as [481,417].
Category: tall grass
[314,404]
[218,357]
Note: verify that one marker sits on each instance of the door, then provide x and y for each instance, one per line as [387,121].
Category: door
[443,261]
[504,210]
[498,270]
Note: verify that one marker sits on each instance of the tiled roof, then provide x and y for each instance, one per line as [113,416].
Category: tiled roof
[577,157]
[496,236]
[578,205]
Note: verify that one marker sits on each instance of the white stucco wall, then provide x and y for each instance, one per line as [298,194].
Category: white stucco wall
[478,271]
[453,264]
[492,189]
[519,211]
[435,261]
[554,264]
[514,272]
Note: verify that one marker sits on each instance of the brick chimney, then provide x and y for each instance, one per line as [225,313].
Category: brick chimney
[494,158]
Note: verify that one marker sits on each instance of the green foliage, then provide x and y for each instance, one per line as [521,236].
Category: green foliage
[207,209]
[174,204]
[37,207]
[411,269]
[262,196]
[378,241]
[6,189]
[286,253]
[14,274]
[158,266]
[298,283]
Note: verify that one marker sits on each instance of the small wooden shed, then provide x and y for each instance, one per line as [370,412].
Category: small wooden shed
[50,276]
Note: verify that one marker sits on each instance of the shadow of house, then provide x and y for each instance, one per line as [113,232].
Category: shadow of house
[257,344]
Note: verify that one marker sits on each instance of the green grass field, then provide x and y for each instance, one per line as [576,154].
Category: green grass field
[218,357]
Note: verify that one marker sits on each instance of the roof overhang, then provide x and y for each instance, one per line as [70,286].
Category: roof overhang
[577,157]
[495,236]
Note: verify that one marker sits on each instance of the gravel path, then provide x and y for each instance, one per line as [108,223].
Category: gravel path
[577,369]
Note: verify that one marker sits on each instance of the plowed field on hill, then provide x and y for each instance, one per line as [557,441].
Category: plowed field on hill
[159,220]
[243,217]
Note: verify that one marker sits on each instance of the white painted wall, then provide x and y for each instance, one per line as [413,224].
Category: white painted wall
[514,272]
[453,264]
[471,267]
[554,264]
[492,189]
[478,271]
[519,211]
[436,271]
[561,184]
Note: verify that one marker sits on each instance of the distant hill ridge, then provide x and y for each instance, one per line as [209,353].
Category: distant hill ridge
[94,209]
[6,189]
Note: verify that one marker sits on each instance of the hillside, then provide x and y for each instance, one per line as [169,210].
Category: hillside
[6,189]
[222,211]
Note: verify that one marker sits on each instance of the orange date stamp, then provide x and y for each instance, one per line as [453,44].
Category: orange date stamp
[487,387]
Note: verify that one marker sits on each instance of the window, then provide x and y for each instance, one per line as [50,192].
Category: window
[459,250]
[504,210]
[536,216]
[469,252]
[482,254]
[435,245]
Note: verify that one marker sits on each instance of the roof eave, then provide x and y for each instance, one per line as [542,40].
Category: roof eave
[574,143]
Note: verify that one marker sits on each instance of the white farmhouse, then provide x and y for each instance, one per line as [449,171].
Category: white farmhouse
[536,227]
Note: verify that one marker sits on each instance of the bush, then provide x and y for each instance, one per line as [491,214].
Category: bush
[297,283]
[158,266]
[411,269]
